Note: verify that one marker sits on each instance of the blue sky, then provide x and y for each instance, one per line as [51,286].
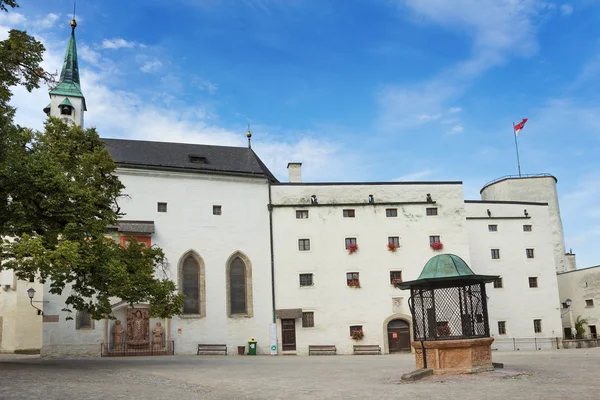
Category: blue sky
[356,89]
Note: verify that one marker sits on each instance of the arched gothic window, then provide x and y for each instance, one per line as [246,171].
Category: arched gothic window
[239,286]
[191,284]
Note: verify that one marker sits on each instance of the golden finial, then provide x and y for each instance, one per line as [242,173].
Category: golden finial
[249,136]
[73,22]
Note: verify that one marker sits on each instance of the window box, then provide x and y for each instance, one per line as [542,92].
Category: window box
[357,333]
[436,246]
[352,248]
[392,247]
[355,283]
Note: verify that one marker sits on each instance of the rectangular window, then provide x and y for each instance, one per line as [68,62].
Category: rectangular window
[493,228]
[395,240]
[217,210]
[352,278]
[537,325]
[306,279]
[527,228]
[304,244]
[350,241]
[355,328]
[533,283]
[391,212]
[495,254]
[308,319]
[395,277]
[301,214]
[84,320]
[589,303]
[529,253]
[431,211]
[498,284]
[348,213]
[161,207]
[501,327]
[434,239]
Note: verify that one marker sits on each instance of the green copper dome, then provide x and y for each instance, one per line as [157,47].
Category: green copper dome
[445,270]
[445,266]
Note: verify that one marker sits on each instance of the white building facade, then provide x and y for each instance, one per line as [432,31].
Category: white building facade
[582,288]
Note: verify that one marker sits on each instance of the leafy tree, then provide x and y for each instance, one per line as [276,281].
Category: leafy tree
[580,327]
[58,196]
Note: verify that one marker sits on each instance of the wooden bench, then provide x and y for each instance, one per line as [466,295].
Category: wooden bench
[212,349]
[365,349]
[322,350]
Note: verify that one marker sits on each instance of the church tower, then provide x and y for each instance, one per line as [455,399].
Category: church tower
[66,99]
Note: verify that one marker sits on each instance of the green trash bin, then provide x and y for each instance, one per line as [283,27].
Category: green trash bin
[252,347]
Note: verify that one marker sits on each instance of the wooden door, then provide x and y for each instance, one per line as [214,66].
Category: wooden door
[398,336]
[288,334]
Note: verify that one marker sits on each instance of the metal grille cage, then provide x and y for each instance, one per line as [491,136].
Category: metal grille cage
[447,313]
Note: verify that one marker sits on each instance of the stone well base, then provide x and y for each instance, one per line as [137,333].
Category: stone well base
[456,356]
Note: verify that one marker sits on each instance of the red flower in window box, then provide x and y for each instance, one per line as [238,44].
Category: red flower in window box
[396,281]
[352,248]
[354,283]
[392,247]
[437,246]
[357,334]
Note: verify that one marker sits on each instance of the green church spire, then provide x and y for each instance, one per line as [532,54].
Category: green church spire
[68,84]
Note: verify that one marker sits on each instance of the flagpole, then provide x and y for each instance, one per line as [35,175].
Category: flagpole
[517,148]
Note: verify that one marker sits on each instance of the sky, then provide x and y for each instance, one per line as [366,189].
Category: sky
[356,90]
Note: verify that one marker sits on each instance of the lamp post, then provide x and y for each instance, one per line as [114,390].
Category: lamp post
[568,302]
[31,294]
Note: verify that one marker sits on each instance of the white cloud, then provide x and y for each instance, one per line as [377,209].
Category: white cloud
[456,129]
[203,84]
[12,18]
[566,9]
[117,43]
[89,55]
[427,117]
[151,66]
[454,110]
[45,22]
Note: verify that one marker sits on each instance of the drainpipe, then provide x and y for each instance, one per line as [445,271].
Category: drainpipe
[270,208]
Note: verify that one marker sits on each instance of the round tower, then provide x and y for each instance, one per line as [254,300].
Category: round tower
[538,188]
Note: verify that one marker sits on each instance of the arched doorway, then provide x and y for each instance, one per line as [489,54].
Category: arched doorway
[398,335]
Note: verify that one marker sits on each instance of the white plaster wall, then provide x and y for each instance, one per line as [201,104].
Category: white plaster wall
[336,307]
[534,189]
[579,286]
[77,113]
[516,303]
[21,325]
[190,225]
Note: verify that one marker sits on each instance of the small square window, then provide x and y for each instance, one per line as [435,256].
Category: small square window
[304,244]
[527,228]
[495,254]
[217,210]
[533,282]
[431,211]
[589,303]
[350,241]
[564,305]
[537,325]
[395,277]
[306,280]
[395,240]
[355,328]
[493,228]
[529,253]
[434,239]
[348,213]
[391,212]
[352,279]
[301,214]
[501,327]
[308,319]
[498,283]
[32,279]
[161,207]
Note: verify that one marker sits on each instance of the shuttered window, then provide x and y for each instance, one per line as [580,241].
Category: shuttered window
[237,282]
[191,288]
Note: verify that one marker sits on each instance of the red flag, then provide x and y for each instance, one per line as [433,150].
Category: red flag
[520,126]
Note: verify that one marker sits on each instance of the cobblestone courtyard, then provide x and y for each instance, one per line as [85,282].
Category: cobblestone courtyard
[561,374]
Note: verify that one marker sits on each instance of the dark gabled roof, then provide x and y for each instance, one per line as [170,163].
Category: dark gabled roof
[187,157]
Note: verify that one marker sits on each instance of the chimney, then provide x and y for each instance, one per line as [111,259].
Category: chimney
[295,172]
[571,261]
